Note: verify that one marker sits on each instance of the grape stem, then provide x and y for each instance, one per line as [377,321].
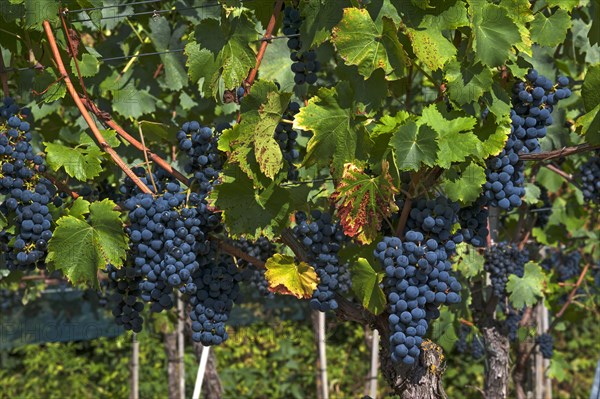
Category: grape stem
[238,253]
[563,152]
[263,45]
[3,76]
[101,141]
[107,120]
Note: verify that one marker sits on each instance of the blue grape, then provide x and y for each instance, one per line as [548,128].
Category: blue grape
[501,261]
[546,344]
[589,176]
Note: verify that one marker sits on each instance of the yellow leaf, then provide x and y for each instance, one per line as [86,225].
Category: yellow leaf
[286,277]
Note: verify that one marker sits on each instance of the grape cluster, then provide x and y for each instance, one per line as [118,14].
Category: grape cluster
[305,64]
[546,344]
[10,299]
[26,193]
[217,282]
[261,249]
[286,138]
[461,344]
[589,175]
[502,260]
[511,324]
[124,283]
[323,237]
[532,104]
[417,280]
[205,160]
[473,222]
[477,348]
[544,210]
[566,265]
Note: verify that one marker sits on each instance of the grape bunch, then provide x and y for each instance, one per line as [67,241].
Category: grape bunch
[26,194]
[417,280]
[305,64]
[261,249]
[544,210]
[589,175]
[324,238]
[532,104]
[205,160]
[566,265]
[501,261]
[217,282]
[124,283]
[286,138]
[546,344]
[473,222]
[477,348]
[511,324]
[435,219]
[461,344]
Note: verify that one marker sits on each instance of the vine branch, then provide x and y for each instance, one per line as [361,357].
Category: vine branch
[263,45]
[563,152]
[73,93]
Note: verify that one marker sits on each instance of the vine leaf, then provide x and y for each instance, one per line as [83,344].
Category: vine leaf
[464,184]
[201,65]
[365,285]
[590,125]
[319,18]
[495,34]
[368,44]
[363,202]
[330,119]
[525,290]
[267,151]
[431,47]
[88,65]
[164,40]
[468,260]
[413,145]
[455,138]
[590,90]
[83,162]
[550,31]
[286,277]
[467,82]
[79,247]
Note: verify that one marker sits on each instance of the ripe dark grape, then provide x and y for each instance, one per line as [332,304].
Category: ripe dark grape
[461,343]
[566,265]
[532,105]
[511,324]
[473,222]
[26,194]
[261,249]
[324,238]
[286,138]
[217,282]
[417,280]
[305,64]
[477,348]
[543,211]
[124,285]
[501,261]
[546,344]
[589,176]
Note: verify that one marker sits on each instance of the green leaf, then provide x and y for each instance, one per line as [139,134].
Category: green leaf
[492,134]
[414,145]
[363,202]
[525,290]
[201,65]
[443,330]
[431,47]
[558,367]
[550,31]
[465,183]
[467,82]
[129,97]
[80,208]
[288,278]
[532,193]
[335,134]
[369,45]
[37,11]
[468,260]
[365,286]
[156,131]
[495,34]
[590,125]
[88,65]
[52,88]
[455,138]
[109,135]
[80,248]
[498,101]
[83,162]
[244,212]
[590,91]
[564,4]
[319,18]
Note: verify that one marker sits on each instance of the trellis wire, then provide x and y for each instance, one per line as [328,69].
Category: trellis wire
[115,6]
[153,12]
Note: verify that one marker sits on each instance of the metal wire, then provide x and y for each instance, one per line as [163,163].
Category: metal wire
[154,12]
[125,57]
[115,6]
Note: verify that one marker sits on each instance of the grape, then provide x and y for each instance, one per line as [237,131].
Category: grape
[26,194]
[477,348]
[323,237]
[124,283]
[566,265]
[461,344]
[416,282]
[532,105]
[286,138]
[261,249]
[546,344]
[544,210]
[501,261]
[305,64]
[589,175]
[473,222]
[511,324]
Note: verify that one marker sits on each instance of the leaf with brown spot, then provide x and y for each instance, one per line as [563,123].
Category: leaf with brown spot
[363,202]
[286,277]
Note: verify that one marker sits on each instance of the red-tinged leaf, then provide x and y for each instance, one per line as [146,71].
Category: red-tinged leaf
[363,202]
[286,277]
